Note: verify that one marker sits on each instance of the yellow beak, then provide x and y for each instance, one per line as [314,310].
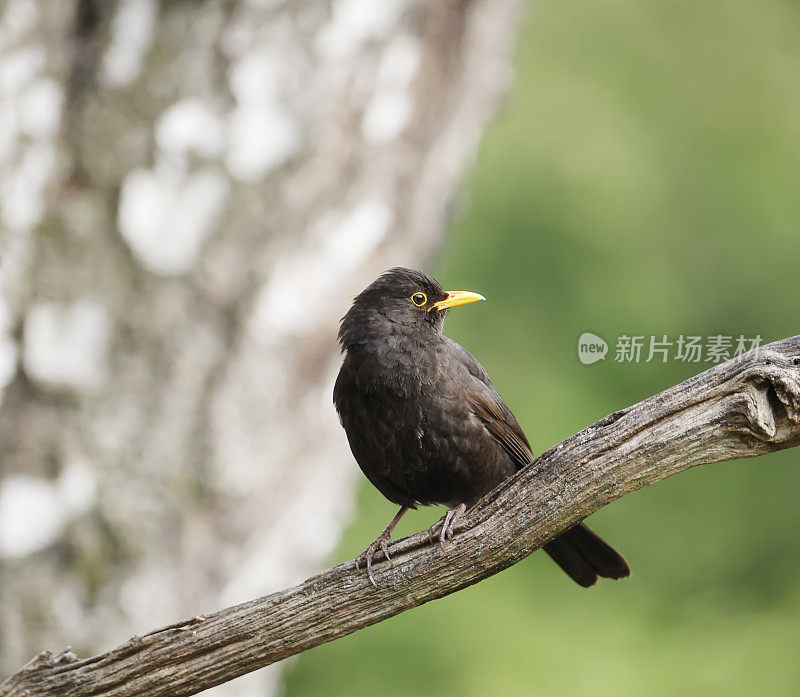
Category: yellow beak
[455,298]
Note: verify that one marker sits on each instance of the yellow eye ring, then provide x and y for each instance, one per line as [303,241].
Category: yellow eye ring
[419,299]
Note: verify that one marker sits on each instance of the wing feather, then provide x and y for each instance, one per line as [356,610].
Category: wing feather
[487,404]
[501,424]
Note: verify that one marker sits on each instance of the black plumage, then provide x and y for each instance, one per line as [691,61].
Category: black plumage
[424,421]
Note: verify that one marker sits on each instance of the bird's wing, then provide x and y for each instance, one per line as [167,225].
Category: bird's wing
[501,423]
[487,404]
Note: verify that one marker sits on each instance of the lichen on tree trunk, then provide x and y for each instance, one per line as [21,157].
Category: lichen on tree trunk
[190,193]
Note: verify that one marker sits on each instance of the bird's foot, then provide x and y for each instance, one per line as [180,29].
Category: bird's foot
[381,544]
[444,527]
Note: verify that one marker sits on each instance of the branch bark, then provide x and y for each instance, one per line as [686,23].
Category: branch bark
[745,407]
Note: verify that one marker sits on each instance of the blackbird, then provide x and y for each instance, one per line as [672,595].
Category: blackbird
[425,423]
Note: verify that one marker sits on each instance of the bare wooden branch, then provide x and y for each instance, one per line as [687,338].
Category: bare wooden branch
[742,408]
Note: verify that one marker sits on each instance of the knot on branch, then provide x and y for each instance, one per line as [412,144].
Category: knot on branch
[40,662]
[770,392]
[46,659]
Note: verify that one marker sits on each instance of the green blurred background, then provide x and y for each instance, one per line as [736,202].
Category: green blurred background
[642,179]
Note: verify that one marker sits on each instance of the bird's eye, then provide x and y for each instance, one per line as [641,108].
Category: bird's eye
[419,299]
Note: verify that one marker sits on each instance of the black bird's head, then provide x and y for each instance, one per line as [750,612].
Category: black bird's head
[400,300]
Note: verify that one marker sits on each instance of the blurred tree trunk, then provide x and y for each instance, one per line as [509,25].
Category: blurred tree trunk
[190,194]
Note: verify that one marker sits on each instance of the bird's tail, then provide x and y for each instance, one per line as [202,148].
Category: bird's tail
[585,555]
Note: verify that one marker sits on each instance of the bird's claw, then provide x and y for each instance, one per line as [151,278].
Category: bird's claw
[381,544]
[444,528]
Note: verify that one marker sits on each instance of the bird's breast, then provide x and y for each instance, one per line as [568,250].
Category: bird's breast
[411,433]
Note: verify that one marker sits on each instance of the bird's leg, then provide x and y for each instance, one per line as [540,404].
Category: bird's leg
[381,543]
[446,525]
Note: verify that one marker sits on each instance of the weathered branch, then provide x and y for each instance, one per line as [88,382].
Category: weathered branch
[741,408]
